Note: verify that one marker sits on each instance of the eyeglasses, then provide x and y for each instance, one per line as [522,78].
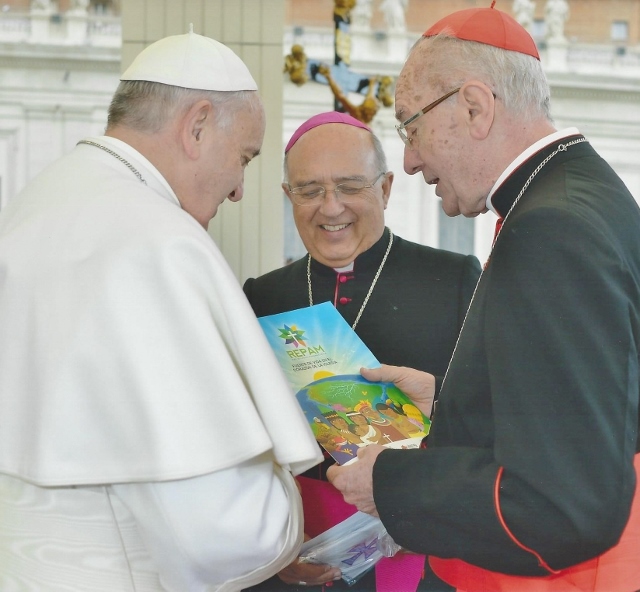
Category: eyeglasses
[347,192]
[401,127]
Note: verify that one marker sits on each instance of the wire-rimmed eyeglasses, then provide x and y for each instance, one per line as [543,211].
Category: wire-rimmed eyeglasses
[401,126]
[347,192]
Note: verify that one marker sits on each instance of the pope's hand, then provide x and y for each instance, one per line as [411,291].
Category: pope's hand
[310,574]
[355,481]
[418,385]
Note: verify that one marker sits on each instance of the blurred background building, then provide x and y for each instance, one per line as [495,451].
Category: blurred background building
[60,62]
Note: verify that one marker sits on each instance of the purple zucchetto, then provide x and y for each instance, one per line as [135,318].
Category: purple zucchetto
[321,119]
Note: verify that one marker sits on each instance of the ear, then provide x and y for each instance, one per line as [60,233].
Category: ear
[196,123]
[285,188]
[479,104]
[386,188]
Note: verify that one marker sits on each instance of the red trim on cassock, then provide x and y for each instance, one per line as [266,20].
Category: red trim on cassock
[617,569]
[496,501]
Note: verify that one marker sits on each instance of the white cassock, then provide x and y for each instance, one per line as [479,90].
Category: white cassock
[147,434]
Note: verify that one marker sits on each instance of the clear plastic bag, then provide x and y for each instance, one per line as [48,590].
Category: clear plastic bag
[354,546]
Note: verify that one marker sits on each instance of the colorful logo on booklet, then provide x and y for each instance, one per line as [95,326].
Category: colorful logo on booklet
[293,337]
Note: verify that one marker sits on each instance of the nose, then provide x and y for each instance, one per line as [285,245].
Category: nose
[237,193]
[412,162]
[331,204]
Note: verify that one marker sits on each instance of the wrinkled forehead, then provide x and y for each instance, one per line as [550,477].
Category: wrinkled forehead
[415,84]
[411,88]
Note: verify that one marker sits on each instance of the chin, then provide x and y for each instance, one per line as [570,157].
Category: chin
[209,217]
[450,211]
[475,210]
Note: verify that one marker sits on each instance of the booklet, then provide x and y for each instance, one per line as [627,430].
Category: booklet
[321,356]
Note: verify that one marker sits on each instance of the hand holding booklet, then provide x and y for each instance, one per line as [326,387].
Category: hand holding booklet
[321,357]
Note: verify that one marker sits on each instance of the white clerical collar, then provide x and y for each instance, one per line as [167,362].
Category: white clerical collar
[539,145]
[345,269]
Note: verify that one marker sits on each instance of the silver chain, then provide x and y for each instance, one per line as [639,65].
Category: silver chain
[560,148]
[373,283]
[125,162]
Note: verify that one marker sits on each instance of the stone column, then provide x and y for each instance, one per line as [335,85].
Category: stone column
[556,14]
[40,14]
[77,22]
[394,16]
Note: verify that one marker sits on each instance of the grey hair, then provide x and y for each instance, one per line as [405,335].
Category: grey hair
[149,106]
[515,78]
[379,156]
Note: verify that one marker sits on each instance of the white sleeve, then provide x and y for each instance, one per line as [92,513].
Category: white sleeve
[225,530]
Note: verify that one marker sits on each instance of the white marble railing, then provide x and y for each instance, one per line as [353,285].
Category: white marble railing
[605,57]
[78,27]
[380,49]
[74,27]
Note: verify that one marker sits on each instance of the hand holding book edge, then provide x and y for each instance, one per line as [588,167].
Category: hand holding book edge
[419,386]
[355,481]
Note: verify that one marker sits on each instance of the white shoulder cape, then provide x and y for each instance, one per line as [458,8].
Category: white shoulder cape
[128,351]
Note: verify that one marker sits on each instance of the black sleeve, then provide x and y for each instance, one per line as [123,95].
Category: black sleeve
[553,418]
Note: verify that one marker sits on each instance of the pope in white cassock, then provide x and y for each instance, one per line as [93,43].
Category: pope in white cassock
[144,421]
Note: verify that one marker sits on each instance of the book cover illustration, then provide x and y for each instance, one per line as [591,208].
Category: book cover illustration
[321,357]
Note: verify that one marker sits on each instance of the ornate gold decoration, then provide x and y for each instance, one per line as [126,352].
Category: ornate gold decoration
[295,64]
[377,90]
